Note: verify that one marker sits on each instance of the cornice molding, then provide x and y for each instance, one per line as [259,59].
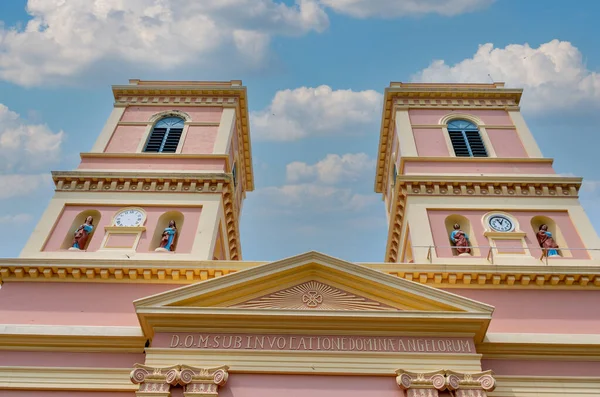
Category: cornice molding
[159,182]
[65,378]
[471,186]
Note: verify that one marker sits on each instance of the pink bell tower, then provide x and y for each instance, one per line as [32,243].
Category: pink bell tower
[464,181]
[166,179]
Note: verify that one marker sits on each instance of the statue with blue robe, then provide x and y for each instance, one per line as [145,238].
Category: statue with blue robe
[546,241]
[167,241]
[82,234]
[460,240]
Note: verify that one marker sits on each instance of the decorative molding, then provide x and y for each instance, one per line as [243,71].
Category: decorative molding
[218,183]
[482,186]
[170,113]
[450,96]
[430,384]
[157,382]
[313,295]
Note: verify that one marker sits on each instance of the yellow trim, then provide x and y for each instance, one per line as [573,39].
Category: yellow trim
[546,386]
[66,378]
[108,130]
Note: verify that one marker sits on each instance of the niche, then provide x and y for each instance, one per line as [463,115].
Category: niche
[553,228]
[78,221]
[162,224]
[465,226]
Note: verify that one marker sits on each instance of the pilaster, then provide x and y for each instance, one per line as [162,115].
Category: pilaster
[429,384]
[196,382]
[421,384]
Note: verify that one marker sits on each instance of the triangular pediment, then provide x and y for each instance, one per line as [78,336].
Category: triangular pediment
[321,287]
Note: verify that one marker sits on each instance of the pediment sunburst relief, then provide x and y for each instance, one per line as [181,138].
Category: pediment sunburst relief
[313,295]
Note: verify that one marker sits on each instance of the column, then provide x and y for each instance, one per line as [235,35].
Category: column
[470,385]
[196,382]
[421,384]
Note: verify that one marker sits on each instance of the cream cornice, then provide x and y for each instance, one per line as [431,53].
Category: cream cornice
[209,156]
[66,378]
[448,96]
[23,337]
[192,93]
[540,346]
[188,271]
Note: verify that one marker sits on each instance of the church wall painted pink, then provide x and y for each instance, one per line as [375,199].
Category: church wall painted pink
[64,225]
[506,143]
[84,304]
[433,116]
[539,311]
[74,359]
[476,167]
[200,139]
[197,113]
[430,142]
[154,163]
[126,139]
[441,237]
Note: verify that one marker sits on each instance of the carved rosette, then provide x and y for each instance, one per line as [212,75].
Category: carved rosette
[421,384]
[431,383]
[157,382]
[470,385]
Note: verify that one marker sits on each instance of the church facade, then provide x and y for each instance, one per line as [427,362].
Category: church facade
[133,283]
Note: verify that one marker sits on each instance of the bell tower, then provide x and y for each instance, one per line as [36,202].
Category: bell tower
[464,181]
[165,180]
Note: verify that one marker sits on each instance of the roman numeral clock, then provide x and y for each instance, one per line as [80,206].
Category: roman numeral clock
[504,235]
[125,230]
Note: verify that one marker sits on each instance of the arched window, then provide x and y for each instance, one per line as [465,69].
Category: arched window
[165,135]
[466,139]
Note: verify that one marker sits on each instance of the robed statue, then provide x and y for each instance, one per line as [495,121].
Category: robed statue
[82,234]
[460,240]
[546,241]
[167,240]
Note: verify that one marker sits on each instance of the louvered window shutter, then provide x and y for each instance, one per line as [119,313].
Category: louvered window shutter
[466,139]
[165,135]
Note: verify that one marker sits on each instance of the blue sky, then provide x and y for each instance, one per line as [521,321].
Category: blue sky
[315,71]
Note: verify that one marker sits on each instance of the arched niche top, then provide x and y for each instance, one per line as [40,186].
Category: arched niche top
[465,225]
[486,218]
[461,116]
[125,209]
[162,223]
[170,113]
[557,235]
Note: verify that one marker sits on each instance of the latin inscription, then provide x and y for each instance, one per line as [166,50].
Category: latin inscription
[314,343]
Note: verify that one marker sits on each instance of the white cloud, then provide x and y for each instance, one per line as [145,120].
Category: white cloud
[15,219]
[398,8]
[26,147]
[553,75]
[64,39]
[332,169]
[18,185]
[304,112]
[314,198]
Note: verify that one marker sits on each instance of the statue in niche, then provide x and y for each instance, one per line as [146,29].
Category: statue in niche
[82,234]
[460,241]
[546,241]
[168,237]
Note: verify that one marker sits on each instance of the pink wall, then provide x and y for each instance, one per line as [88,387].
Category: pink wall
[542,368]
[187,232]
[430,142]
[70,359]
[197,113]
[539,311]
[506,143]
[158,164]
[476,167]
[126,139]
[433,116]
[440,235]
[91,304]
[63,393]
[200,139]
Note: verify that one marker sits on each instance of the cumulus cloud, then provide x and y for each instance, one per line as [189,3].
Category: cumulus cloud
[398,8]
[553,75]
[15,219]
[314,198]
[26,147]
[64,39]
[19,185]
[304,112]
[332,169]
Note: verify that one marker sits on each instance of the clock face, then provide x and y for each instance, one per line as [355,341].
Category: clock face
[129,218]
[501,223]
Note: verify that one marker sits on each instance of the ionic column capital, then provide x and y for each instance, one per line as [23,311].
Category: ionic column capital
[197,382]
[424,384]
[202,382]
[470,385]
[154,382]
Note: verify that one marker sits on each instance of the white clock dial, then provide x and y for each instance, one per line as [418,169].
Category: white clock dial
[129,218]
[501,223]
